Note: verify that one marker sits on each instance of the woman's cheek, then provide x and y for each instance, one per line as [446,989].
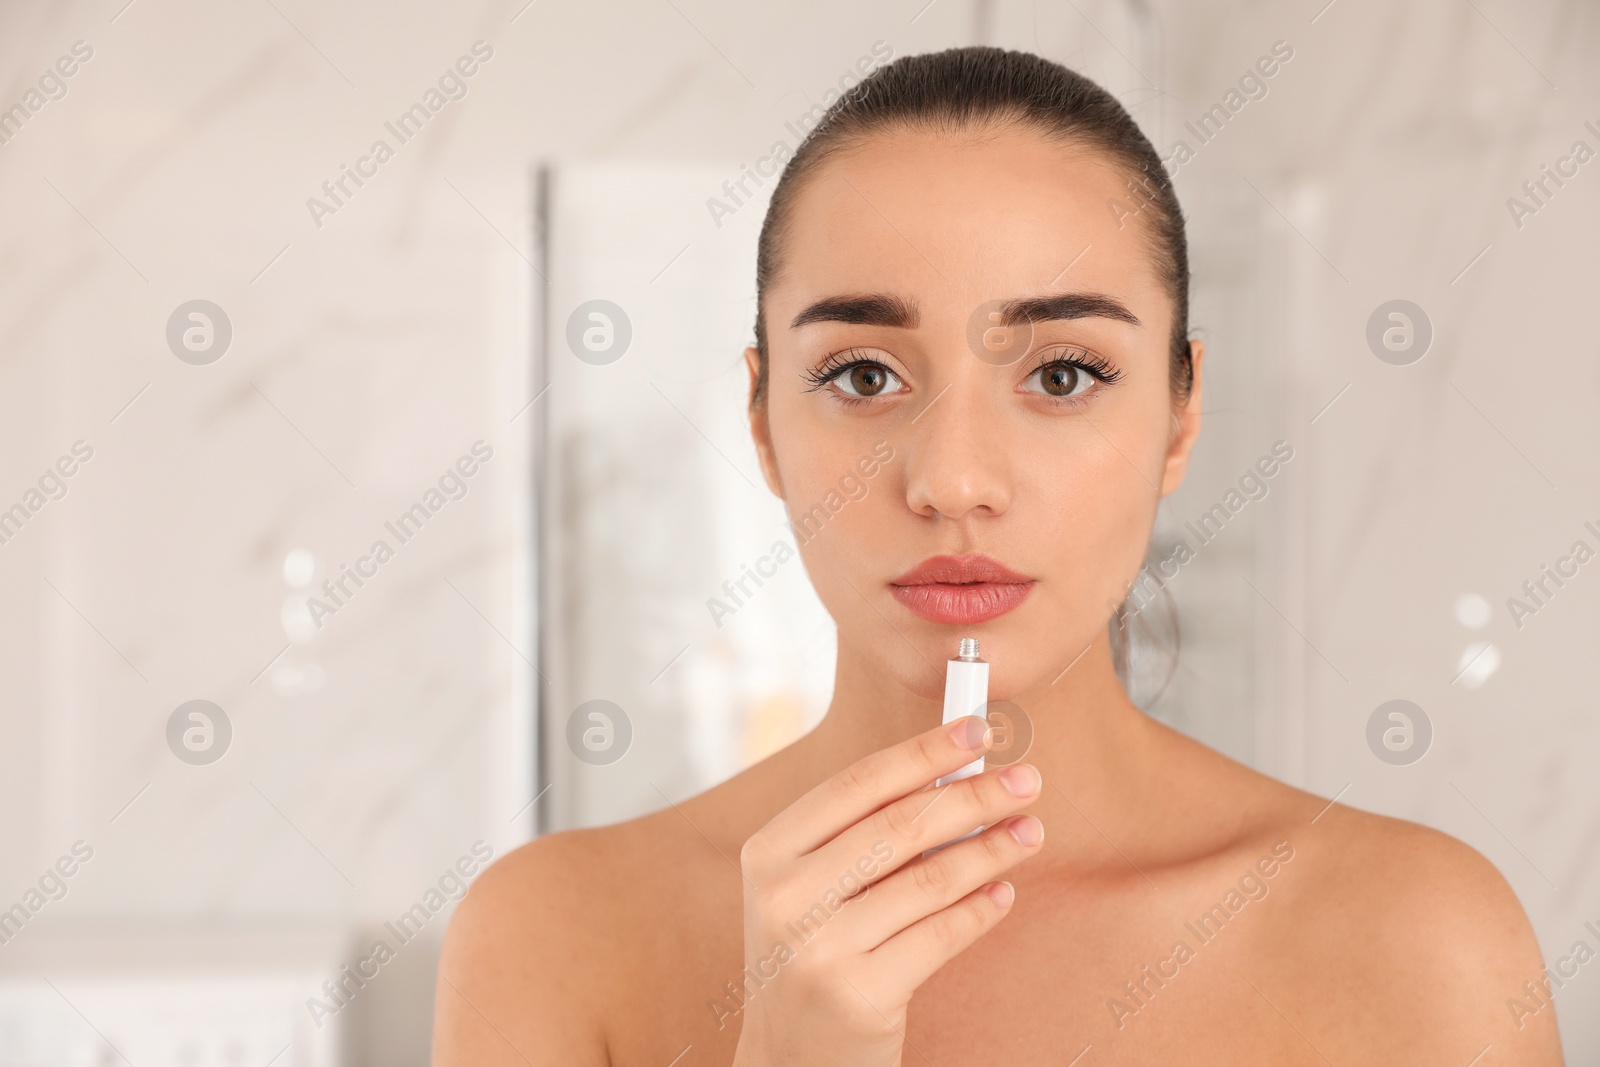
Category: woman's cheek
[1099,528]
[837,527]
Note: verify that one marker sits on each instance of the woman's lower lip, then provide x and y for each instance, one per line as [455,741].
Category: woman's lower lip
[975,602]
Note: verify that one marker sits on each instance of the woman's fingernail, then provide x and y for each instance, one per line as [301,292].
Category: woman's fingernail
[1023,780]
[1002,893]
[1028,831]
[971,733]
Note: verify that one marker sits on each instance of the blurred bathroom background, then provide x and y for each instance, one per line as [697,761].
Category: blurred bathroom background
[240,346]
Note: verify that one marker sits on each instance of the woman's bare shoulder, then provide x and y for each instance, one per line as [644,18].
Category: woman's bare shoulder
[556,932]
[1412,933]
[524,967]
[1418,886]
[1376,925]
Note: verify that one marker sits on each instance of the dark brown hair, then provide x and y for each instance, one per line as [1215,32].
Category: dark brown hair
[965,88]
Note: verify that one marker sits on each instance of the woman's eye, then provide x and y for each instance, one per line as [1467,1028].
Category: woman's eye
[867,379]
[1060,379]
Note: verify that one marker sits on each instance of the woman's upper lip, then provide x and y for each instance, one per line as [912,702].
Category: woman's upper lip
[960,570]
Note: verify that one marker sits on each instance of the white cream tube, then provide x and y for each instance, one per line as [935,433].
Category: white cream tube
[966,692]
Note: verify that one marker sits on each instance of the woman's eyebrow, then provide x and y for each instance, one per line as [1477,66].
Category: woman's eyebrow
[873,309]
[885,309]
[1065,306]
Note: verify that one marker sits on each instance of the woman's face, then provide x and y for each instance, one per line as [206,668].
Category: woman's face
[947,476]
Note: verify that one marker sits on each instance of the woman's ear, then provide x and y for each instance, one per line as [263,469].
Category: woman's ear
[1186,423]
[759,429]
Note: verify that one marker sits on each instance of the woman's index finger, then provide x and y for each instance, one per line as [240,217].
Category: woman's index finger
[873,781]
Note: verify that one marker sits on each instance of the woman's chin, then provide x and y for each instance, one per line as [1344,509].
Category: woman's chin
[1018,669]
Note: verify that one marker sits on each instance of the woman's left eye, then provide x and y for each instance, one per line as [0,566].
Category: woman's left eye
[1060,379]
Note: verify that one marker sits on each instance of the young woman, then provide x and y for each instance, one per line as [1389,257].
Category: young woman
[973,281]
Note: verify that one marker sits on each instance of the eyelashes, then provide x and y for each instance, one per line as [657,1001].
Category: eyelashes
[860,374]
[1097,367]
[839,363]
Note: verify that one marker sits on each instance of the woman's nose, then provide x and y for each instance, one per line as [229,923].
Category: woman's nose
[956,463]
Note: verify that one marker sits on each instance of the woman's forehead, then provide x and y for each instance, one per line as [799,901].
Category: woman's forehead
[943,216]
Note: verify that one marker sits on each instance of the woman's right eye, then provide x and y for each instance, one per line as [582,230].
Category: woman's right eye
[853,375]
[866,379]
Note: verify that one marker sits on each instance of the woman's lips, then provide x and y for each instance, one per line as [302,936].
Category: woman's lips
[961,589]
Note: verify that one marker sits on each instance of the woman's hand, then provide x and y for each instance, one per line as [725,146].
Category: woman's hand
[843,916]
